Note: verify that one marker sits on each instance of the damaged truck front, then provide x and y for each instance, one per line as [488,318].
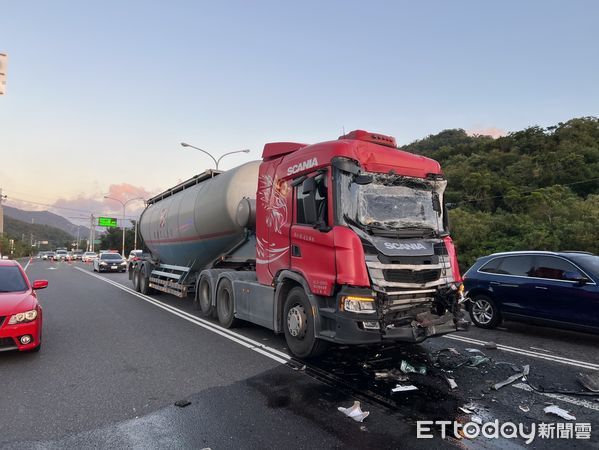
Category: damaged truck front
[411,263]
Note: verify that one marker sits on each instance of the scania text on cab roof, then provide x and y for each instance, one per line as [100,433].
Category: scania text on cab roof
[343,242]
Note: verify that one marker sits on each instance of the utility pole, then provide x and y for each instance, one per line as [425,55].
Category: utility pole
[92,236]
[2,198]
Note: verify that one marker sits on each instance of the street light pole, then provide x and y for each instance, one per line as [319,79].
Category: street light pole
[123,219]
[216,161]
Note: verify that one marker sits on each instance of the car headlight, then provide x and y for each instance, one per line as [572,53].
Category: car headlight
[103,264]
[357,304]
[23,317]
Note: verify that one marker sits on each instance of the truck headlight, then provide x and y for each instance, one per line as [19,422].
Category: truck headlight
[27,316]
[357,304]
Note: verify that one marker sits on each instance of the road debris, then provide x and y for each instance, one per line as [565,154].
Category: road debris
[553,409]
[406,367]
[524,408]
[477,360]
[590,381]
[182,403]
[303,368]
[392,374]
[452,383]
[476,419]
[474,350]
[355,412]
[465,410]
[449,349]
[400,388]
[510,380]
[491,345]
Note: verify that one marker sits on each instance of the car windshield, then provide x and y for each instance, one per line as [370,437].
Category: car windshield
[588,262]
[111,256]
[61,252]
[11,279]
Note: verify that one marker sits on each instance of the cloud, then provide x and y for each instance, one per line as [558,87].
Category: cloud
[492,131]
[82,205]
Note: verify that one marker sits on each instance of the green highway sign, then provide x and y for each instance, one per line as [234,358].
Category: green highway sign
[97,241]
[109,222]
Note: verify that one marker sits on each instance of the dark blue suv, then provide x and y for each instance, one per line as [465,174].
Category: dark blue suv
[552,288]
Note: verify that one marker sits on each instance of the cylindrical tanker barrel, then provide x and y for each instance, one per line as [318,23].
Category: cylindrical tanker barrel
[197,224]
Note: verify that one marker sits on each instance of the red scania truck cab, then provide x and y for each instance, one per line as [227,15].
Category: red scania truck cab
[345,242]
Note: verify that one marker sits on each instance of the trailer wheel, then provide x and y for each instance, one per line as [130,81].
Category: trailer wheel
[135,279]
[299,326]
[203,297]
[225,304]
[144,283]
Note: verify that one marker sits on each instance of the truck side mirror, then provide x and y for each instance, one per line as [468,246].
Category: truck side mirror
[363,179]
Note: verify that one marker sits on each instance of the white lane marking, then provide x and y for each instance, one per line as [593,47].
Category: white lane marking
[524,352]
[251,344]
[562,397]
[26,265]
[540,349]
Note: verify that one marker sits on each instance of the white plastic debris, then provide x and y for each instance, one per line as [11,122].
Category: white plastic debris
[524,408]
[400,388]
[465,410]
[553,409]
[510,380]
[476,419]
[452,383]
[355,412]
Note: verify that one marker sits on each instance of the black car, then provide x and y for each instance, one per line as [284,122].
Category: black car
[551,288]
[110,262]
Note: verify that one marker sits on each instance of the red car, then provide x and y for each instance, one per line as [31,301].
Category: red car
[20,312]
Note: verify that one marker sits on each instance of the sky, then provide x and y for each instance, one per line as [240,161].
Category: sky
[99,95]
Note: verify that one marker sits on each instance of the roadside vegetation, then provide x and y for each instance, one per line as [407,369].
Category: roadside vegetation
[535,189]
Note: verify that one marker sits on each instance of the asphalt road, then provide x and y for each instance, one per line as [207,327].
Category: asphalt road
[113,364]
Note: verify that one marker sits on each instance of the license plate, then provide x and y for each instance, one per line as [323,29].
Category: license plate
[113,267]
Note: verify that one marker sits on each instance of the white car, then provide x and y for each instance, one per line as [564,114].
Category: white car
[88,256]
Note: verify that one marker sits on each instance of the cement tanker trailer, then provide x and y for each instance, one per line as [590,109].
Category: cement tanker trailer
[344,241]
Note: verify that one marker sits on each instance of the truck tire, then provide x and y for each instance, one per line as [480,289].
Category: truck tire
[135,279]
[144,283]
[298,323]
[225,304]
[203,297]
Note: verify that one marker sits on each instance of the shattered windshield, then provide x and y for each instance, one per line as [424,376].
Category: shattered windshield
[396,207]
[391,202]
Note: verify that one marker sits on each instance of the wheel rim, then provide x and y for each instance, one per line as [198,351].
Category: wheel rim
[482,311]
[297,321]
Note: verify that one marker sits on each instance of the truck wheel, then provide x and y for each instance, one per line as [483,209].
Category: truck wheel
[225,304]
[135,279]
[203,297]
[144,283]
[299,326]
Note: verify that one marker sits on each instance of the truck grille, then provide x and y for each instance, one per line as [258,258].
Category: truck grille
[7,342]
[411,276]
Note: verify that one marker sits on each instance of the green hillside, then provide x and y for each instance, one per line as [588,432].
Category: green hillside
[534,189]
[16,229]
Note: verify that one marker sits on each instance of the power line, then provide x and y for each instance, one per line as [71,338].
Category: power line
[528,191]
